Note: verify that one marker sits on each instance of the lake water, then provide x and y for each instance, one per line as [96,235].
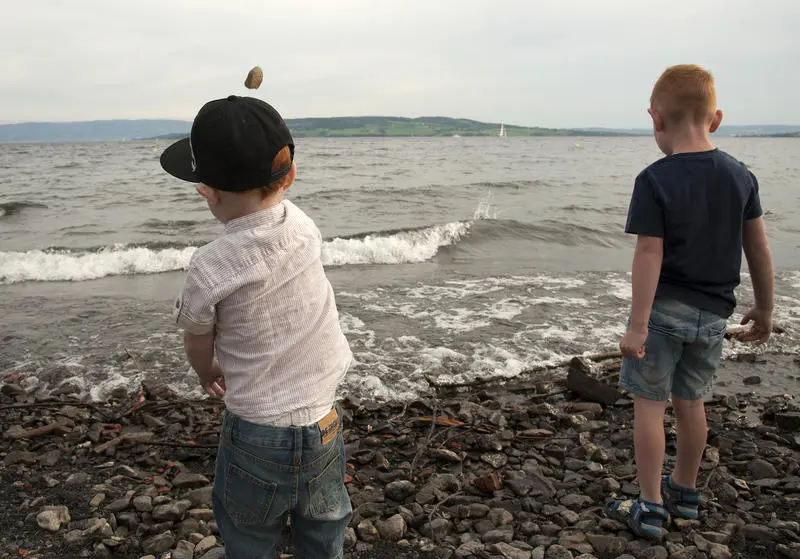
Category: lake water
[454,258]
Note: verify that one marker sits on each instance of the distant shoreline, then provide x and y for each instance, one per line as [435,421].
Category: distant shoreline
[339,127]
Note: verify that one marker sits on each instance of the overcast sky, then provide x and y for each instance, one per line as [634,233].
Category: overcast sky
[556,63]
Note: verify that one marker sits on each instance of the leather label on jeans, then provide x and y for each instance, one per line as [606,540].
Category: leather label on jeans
[329,426]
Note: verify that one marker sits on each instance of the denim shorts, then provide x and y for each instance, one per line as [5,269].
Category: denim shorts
[266,474]
[682,352]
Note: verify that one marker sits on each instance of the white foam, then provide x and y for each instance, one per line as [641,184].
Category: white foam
[619,287]
[38,265]
[403,247]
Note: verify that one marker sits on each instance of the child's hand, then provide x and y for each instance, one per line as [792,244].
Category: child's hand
[761,328]
[632,344]
[216,387]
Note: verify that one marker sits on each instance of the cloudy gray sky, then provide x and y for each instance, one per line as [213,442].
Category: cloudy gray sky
[532,62]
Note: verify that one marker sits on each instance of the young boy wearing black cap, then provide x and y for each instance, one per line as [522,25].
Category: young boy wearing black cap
[262,332]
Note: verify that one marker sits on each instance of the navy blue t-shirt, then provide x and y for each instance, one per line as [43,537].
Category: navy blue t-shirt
[697,202]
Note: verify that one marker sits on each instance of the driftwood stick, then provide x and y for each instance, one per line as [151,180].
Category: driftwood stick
[56,428]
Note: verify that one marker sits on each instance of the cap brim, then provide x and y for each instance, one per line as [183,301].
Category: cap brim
[177,161]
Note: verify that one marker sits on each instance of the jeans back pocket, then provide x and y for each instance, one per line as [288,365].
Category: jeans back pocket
[248,499]
[326,492]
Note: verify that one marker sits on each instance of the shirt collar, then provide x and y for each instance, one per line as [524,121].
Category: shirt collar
[267,217]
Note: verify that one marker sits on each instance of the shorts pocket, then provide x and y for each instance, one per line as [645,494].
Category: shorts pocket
[248,499]
[327,492]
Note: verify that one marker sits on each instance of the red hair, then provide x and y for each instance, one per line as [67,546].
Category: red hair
[685,92]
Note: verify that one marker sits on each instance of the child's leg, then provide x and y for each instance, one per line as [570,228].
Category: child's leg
[649,443]
[252,487]
[323,509]
[692,432]
[694,374]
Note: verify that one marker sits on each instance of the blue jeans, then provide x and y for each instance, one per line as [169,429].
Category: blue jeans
[263,474]
[682,352]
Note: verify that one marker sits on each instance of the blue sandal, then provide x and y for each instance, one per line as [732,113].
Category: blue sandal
[681,502]
[644,519]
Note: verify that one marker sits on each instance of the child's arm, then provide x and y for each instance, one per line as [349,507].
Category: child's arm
[200,353]
[646,271]
[759,261]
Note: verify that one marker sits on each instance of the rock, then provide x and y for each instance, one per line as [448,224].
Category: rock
[715,537]
[204,545]
[97,500]
[470,548]
[79,478]
[788,421]
[726,493]
[444,455]
[759,533]
[760,469]
[20,457]
[99,527]
[200,497]
[495,460]
[202,514]
[254,78]
[174,511]
[690,552]
[393,529]
[185,481]
[588,388]
[120,505]
[437,528]
[751,380]
[367,531]
[788,552]
[574,541]
[538,553]
[350,538]
[558,552]
[143,503]
[541,484]
[575,501]
[607,545]
[159,543]
[399,490]
[655,552]
[216,553]
[508,551]
[488,483]
[51,458]
[473,510]
[51,518]
[497,536]
[500,517]
[570,517]
[184,550]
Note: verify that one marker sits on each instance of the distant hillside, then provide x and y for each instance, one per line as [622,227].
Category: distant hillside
[335,127]
[368,126]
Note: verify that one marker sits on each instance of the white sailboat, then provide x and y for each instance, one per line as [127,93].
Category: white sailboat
[503,132]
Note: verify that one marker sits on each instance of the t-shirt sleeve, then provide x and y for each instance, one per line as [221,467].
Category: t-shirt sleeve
[752,208]
[195,308]
[645,213]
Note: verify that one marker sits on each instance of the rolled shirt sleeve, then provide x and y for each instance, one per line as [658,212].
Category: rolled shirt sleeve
[195,308]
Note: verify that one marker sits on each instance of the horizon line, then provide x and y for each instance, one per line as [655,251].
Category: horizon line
[182,120]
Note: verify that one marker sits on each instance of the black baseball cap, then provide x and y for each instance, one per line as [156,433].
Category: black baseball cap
[231,146]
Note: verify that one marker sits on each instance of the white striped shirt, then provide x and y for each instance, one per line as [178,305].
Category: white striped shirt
[278,339]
